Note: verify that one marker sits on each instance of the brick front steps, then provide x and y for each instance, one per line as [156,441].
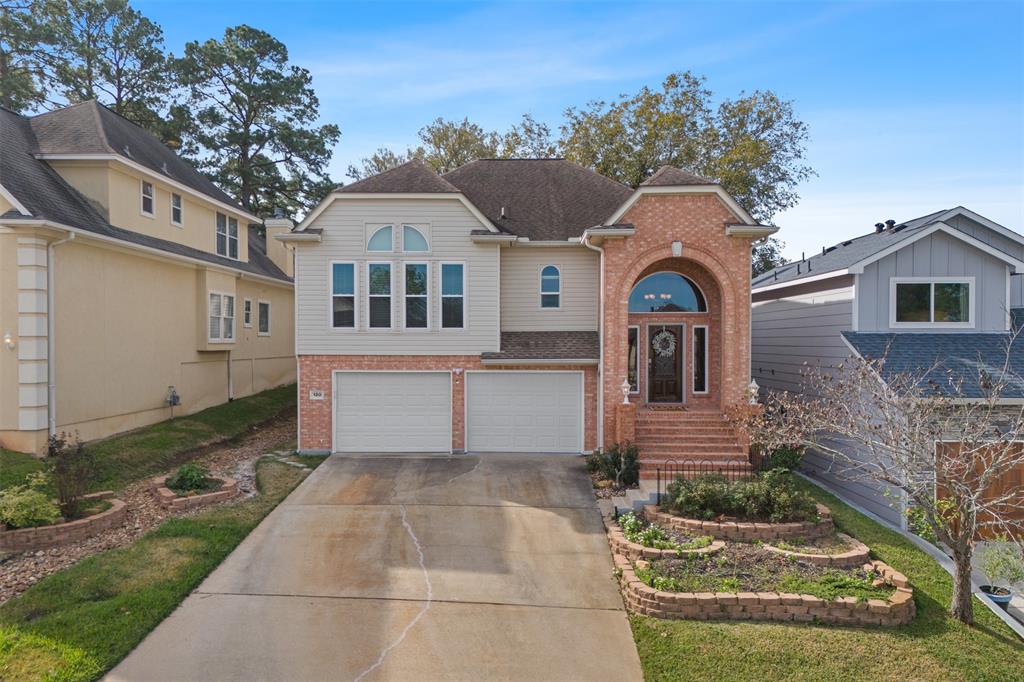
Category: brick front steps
[641,598]
[858,556]
[633,551]
[743,531]
[688,442]
[171,500]
[25,539]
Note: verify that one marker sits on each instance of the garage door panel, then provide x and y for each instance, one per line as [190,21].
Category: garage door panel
[524,411]
[392,412]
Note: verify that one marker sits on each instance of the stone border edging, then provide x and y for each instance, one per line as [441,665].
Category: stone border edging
[898,609]
[169,499]
[633,551]
[41,537]
[858,556]
[744,531]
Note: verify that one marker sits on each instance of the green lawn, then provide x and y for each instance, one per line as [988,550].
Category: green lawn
[933,647]
[153,449]
[78,623]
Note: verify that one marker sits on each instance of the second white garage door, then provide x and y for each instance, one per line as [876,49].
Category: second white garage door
[508,411]
[392,412]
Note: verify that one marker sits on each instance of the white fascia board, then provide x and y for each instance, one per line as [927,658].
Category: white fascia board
[130,246]
[13,201]
[139,168]
[801,280]
[751,231]
[615,233]
[385,196]
[1015,263]
[298,237]
[493,238]
[990,224]
[726,198]
[534,361]
[547,243]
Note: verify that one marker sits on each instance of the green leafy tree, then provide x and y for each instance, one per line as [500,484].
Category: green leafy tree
[766,256]
[255,117]
[754,145]
[21,84]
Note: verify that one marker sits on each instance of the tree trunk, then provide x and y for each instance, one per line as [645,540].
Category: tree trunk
[962,607]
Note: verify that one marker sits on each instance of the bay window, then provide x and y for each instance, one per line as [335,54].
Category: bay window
[222,317]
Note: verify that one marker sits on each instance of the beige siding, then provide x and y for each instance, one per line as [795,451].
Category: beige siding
[8,323]
[344,226]
[520,289]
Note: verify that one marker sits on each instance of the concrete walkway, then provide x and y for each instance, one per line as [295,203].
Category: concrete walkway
[408,567]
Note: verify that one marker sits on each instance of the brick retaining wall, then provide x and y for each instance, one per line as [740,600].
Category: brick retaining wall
[169,499]
[858,556]
[744,531]
[633,551]
[25,539]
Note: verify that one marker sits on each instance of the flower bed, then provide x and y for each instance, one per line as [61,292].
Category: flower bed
[746,531]
[842,552]
[175,502]
[24,539]
[685,545]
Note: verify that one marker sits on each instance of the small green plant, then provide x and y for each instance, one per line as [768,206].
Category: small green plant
[1001,562]
[189,478]
[786,457]
[73,469]
[650,535]
[618,462]
[772,496]
[919,526]
[28,505]
[834,584]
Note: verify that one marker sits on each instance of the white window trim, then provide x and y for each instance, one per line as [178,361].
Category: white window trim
[142,198]
[465,295]
[270,318]
[972,294]
[370,230]
[355,296]
[425,230]
[639,365]
[707,354]
[181,209]
[540,287]
[390,296]
[426,296]
[227,236]
[234,301]
[247,312]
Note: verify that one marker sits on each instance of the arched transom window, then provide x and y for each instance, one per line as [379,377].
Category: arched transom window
[381,240]
[413,240]
[666,292]
[550,287]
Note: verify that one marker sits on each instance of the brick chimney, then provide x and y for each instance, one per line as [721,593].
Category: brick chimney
[279,253]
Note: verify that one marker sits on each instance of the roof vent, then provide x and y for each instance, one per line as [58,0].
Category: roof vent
[163,167]
[879,227]
[127,152]
[503,214]
[890,223]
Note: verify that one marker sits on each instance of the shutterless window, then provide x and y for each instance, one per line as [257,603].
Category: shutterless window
[700,359]
[343,295]
[227,236]
[632,360]
[381,240]
[550,287]
[176,208]
[933,302]
[453,297]
[416,295]
[247,312]
[379,275]
[222,317]
[413,240]
[263,319]
[147,198]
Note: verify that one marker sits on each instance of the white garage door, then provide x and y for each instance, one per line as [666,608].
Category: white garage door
[392,412]
[509,411]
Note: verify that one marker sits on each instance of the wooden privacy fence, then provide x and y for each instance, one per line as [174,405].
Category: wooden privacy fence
[1009,482]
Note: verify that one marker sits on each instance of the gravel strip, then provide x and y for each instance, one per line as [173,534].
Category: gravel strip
[18,572]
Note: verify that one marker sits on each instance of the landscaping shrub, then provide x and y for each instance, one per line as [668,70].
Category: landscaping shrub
[619,462]
[919,526]
[771,496]
[28,506]
[787,457]
[190,478]
[73,469]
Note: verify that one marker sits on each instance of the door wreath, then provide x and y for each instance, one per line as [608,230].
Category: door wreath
[664,343]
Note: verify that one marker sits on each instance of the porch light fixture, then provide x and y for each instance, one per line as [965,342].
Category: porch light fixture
[677,249]
[9,342]
[625,391]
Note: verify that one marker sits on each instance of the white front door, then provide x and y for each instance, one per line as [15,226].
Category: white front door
[513,411]
[392,412]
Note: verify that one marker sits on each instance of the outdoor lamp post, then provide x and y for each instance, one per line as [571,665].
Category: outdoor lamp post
[625,391]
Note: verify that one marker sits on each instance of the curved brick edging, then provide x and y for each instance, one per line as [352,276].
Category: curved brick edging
[25,539]
[898,609]
[633,551]
[858,556]
[746,531]
[169,499]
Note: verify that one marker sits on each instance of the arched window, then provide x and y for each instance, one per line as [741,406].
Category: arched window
[666,292]
[413,240]
[381,240]
[550,287]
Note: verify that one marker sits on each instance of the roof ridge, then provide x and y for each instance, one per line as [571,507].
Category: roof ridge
[99,124]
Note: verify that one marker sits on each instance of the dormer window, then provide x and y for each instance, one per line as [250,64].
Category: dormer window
[147,198]
[931,302]
[413,240]
[381,240]
[227,236]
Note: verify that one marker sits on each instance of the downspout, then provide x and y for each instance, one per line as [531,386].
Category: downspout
[51,342]
[600,341]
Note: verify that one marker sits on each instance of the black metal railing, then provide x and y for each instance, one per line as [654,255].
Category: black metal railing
[732,470]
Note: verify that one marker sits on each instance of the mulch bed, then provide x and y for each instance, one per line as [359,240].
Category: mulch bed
[607,492]
[829,544]
[18,572]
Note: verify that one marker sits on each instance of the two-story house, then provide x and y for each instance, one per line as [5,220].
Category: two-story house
[132,288]
[938,293]
[523,305]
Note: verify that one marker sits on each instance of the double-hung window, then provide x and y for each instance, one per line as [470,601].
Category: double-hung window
[550,287]
[227,236]
[247,312]
[926,302]
[343,295]
[147,198]
[263,318]
[176,209]
[222,317]
[453,296]
[417,284]
[379,294]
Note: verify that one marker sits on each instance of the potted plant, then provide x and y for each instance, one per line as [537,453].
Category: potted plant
[1001,562]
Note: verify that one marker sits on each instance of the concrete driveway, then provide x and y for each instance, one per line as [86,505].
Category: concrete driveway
[405,567]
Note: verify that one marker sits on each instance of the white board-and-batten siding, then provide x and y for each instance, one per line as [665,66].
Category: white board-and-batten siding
[520,289]
[448,226]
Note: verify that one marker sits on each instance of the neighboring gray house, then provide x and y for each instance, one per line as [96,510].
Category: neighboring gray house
[946,287]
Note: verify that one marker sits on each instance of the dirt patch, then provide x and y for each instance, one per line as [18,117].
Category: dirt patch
[830,544]
[605,489]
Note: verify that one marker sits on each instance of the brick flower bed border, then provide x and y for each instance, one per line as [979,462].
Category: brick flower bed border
[741,531]
[169,499]
[898,609]
[633,551]
[25,539]
[858,556]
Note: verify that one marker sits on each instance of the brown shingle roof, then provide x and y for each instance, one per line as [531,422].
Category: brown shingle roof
[547,346]
[668,176]
[414,177]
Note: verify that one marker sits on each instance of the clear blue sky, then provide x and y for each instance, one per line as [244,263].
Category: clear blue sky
[912,106]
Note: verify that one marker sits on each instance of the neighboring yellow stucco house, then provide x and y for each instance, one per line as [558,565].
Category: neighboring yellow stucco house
[123,273]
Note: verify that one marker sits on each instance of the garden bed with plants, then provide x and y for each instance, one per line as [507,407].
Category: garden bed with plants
[633,537]
[100,512]
[192,486]
[837,550]
[614,470]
